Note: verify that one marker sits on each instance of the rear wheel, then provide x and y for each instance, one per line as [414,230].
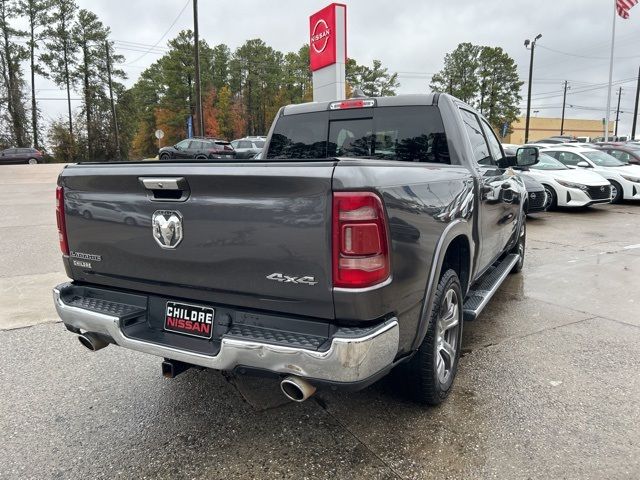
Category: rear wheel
[552,198]
[616,192]
[32,161]
[201,157]
[431,371]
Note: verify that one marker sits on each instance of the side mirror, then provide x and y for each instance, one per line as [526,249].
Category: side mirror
[527,156]
[583,164]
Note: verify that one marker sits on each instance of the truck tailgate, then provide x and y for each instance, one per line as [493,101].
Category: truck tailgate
[253,234]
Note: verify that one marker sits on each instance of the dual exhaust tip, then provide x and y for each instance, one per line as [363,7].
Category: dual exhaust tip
[294,388]
[93,341]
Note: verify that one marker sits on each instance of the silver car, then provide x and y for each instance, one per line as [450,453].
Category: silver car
[248,147]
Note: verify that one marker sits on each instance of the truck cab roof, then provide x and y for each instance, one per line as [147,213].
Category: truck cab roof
[395,101]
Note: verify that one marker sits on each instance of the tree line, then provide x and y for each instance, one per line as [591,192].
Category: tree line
[242,89]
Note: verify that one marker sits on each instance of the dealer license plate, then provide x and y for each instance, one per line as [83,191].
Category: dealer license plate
[188,319]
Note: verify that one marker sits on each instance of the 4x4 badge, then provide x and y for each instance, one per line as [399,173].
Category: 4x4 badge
[280,277]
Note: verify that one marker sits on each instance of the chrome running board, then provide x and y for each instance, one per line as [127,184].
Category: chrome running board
[481,292]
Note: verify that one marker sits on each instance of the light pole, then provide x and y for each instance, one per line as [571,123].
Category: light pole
[198,125]
[531,46]
[564,104]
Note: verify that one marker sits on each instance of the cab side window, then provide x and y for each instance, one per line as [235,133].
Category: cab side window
[479,145]
[494,143]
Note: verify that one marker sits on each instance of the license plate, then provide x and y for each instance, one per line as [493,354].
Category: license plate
[188,319]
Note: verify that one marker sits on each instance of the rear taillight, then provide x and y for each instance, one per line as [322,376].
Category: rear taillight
[60,220]
[360,246]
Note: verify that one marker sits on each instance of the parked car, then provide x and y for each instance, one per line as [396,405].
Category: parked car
[199,148]
[537,195]
[565,138]
[539,201]
[364,246]
[583,139]
[626,153]
[566,187]
[540,145]
[21,155]
[624,178]
[248,147]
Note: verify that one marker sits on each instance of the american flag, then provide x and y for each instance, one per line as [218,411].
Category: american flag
[624,6]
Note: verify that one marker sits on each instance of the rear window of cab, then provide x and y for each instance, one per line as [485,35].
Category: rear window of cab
[410,134]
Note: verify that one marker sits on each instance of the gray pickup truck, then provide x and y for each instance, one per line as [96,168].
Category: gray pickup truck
[366,234]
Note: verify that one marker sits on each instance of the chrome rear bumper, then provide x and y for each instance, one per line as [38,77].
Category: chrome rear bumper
[349,359]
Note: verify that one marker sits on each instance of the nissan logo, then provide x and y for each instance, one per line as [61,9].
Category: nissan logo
[320,36]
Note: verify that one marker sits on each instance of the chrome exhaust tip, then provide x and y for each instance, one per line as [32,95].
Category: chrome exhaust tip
[296,389]
[93,341]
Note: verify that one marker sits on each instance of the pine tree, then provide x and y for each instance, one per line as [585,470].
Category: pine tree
[11,54]
[37,12]
[89,34]
[61,56]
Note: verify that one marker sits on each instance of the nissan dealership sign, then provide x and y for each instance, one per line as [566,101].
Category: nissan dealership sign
[328,52]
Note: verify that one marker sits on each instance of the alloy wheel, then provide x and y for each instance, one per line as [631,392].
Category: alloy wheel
[447,326]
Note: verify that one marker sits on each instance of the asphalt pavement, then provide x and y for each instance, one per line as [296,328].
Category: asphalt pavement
[548,385]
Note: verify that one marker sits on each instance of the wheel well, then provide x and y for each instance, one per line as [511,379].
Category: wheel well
[458,258]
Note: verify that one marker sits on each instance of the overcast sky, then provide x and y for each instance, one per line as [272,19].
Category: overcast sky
[410,37]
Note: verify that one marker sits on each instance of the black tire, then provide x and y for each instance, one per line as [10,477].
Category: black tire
[553,201]
[421,374]
[619,192]
[165,156]
[130,221]
[87,214]
[201,157]
[520,247]
[32,161]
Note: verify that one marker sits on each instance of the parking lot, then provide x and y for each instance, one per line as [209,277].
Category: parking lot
[548,386]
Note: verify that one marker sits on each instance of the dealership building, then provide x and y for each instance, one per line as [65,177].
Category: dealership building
[543,127]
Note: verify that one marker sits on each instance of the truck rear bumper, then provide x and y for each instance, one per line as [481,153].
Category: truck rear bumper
[352,355]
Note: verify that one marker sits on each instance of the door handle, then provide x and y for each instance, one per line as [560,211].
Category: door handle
[163,183]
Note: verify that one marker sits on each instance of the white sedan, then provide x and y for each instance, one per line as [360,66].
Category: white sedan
[624,178]
[566,187]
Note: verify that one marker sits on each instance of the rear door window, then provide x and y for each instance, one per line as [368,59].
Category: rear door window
[244,144]
[479,144]
[494,144]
